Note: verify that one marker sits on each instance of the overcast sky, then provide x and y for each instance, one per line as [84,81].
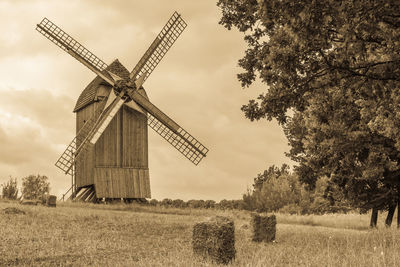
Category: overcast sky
[195,84]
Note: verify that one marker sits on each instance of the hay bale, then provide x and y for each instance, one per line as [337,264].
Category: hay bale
[51,200]
[215,239]
[264,227]
[12,210]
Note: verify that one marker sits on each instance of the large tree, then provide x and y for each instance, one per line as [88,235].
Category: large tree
[333,73]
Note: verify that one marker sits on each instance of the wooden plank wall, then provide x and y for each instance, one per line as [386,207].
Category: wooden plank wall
[108,146]
[134,139]
[122,182]
[123,144]
[84,167]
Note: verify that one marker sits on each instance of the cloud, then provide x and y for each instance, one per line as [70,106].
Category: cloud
[35,126]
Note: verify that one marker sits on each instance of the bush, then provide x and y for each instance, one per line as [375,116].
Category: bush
[153,202]
[291,209]
[277,189]
[178,203]
[277,192]
[35,186]
[209,204]
[10,189]
[166,202]
[195,204]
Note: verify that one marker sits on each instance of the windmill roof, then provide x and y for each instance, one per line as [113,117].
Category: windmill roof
[89,94]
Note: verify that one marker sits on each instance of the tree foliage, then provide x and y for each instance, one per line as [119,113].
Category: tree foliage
[278,189]
[10,189]
[35,186]
[333,75]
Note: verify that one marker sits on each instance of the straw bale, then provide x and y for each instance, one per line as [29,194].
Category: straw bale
[264,227]
[51,200]
[214,239]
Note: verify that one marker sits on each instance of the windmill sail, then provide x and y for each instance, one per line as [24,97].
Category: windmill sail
[189,146]
[185,143]
[73,47]
[66,161]
[106,119]
[88,135]
[160,46]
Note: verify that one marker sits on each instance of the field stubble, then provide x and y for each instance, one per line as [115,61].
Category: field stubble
[76,234]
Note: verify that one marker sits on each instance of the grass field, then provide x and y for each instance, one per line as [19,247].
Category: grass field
[76,234]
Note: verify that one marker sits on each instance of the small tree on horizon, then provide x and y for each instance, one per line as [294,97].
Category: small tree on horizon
[35,186]
[10,189]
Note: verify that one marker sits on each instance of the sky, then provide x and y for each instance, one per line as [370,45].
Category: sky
[195,84]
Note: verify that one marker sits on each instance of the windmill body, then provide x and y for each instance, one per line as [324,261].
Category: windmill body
[108,158]
[117,165]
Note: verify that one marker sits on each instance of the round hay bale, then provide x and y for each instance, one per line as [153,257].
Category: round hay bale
[215,239]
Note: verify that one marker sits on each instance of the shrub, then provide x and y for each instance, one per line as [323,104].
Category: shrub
[178,203]
[153,202]
[35,186]
[277,189]
[225,204]
[209,204]
[10,189]
[291,209]
[166,202]
[196,204]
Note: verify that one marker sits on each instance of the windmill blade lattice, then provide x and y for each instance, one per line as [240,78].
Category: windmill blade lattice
[66,43]
[185,143]
[88,135]
[160,46]
[66,161]
[189,146]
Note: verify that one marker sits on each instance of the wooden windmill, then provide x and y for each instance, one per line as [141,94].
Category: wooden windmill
[108,158]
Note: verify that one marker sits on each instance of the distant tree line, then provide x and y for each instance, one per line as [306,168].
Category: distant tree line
[277,189]
[197,204]
[33,187]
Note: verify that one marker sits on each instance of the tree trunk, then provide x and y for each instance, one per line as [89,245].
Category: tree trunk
[374,218]
[398,213]
[389,218]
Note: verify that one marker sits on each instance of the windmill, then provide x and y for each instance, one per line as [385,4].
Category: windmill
[108,158]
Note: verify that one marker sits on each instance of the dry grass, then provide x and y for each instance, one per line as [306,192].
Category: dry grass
[130,235]
[346,221]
